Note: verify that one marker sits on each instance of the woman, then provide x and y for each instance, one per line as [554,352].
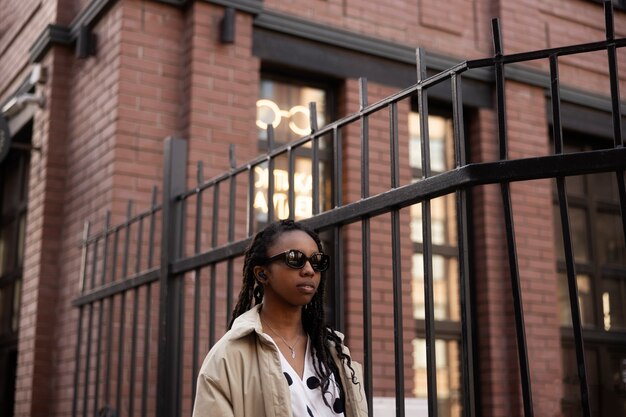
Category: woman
[278,358]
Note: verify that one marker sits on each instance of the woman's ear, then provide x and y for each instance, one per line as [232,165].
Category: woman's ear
[260,274]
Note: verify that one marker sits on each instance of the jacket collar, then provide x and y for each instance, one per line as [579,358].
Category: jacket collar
[248,322]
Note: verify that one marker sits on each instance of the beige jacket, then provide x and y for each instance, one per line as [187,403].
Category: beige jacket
[241,377]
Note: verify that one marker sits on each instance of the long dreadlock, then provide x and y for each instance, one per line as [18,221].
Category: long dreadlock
[313,316]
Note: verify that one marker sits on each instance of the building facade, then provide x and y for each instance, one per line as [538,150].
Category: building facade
[91,89]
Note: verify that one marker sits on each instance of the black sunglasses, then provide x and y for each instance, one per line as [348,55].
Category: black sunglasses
[295,259]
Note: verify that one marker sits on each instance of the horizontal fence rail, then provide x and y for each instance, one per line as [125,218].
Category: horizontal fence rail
[157,289]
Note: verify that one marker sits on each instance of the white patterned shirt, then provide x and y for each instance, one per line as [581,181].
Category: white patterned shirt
[306,396]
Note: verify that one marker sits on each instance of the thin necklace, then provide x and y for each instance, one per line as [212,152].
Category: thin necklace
[291,348]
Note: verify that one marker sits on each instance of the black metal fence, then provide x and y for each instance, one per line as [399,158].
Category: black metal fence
[152,301]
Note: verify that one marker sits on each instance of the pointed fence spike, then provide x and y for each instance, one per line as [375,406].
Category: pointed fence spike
[420,63]
[362,93]
[313,116]
[231,156]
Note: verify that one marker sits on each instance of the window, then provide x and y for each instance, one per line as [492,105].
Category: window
[285,105]
[600,258]
[13,205]
[445,271]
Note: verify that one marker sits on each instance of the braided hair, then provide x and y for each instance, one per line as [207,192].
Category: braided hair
[313,316]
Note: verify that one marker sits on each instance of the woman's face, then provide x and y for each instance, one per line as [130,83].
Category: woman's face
[287,286]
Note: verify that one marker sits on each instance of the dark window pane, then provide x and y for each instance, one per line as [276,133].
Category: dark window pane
[8,247]
[610,239]
[603,187]
[575,186]
[570,404]
[579,235]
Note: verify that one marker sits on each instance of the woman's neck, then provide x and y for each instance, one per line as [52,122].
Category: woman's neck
[287,323]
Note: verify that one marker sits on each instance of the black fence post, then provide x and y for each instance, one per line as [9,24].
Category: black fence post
[168,366]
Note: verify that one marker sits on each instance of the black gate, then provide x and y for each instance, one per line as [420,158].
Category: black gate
[151,303]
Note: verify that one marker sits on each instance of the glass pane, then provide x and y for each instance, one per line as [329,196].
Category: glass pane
[286,107]
[570,403]
[614,382]
[441,142]
[448,375]
[443,221]
[303,189]
[261,182]
[579,235]
[20,240]
[3,251]
[445,287]
[613,305]
[8,247]
[416,223]
[3,314]
[610,238]
[15,314]
[603,187]
[585,300]
[575,186]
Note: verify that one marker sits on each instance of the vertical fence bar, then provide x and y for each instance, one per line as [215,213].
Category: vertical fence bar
[338,255]
[250,206]
[109,349]
[146,351]
[90,327]
[467,332]
[83,271]
[213,282]
[429,303]
[572,284]
[396,255]
[616,111]
[500,93]
[125,260]
[270,175]
[231,233]
[105,252]
[168,370]
[613,75]
[291,193]
[133,354]
[315,159]
[339,285]
[197,283]
[365,241]
[122,322]
[152,227]
[139,245]
[510,229]
[148,307]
